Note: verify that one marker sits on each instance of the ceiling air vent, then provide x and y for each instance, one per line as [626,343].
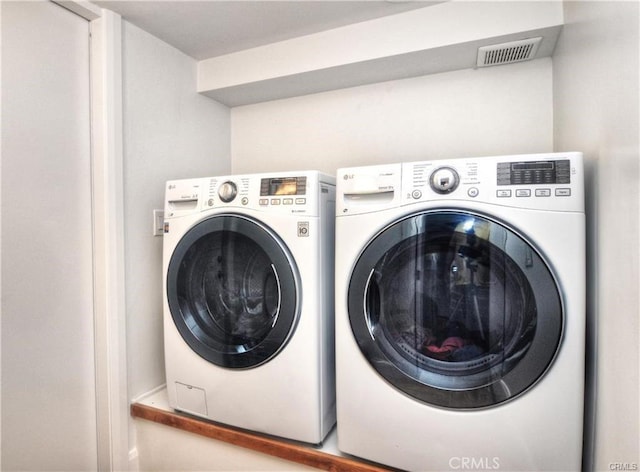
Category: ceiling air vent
[507,53]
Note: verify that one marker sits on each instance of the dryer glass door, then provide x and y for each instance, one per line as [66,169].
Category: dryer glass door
[455,309]
[232,289]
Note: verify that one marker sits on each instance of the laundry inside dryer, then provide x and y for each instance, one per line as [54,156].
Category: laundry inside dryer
[449,299]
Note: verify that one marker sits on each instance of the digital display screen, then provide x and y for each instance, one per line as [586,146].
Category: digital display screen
[283,186]
[534,173]
[532,166]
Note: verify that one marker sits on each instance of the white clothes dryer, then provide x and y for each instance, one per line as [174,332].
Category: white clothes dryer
[248,301]
[460,313]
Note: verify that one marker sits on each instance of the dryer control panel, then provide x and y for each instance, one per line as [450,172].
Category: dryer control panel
[553,181]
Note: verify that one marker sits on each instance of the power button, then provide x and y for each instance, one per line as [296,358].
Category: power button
[416,194]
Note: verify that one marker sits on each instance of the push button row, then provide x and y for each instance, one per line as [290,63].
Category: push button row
[282,201]
[539,192]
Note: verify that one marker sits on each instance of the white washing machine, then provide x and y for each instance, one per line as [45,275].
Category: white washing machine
[460,313]
[248,301]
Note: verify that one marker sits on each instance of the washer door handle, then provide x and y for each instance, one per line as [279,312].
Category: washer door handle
[366,305]
[275,317]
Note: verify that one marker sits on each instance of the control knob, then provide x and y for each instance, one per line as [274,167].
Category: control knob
[444,180]
[227,191]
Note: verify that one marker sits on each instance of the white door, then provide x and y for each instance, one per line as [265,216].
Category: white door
[48,374]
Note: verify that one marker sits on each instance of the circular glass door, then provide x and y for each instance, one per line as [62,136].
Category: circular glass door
[455,309]
[232,289]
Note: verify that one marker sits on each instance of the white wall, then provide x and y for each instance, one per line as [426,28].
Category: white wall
[170,132]
[164,449]
[596,110]
[48,363]
[499,110]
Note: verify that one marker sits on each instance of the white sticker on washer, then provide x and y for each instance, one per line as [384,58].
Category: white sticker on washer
[303,229]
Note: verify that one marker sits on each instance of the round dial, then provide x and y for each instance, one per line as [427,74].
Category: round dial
[444,180]
[227,191]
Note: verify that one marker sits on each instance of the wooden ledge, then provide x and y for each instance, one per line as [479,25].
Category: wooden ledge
[301,454]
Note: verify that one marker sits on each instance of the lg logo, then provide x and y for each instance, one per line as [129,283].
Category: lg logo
[474,463]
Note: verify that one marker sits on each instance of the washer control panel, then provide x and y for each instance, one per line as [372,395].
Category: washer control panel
[287,193]
[264,192]
[283,190]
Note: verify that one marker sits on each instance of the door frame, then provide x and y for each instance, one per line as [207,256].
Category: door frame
[112,398]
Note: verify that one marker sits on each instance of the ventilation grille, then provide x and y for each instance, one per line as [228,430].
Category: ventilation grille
[507,53]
